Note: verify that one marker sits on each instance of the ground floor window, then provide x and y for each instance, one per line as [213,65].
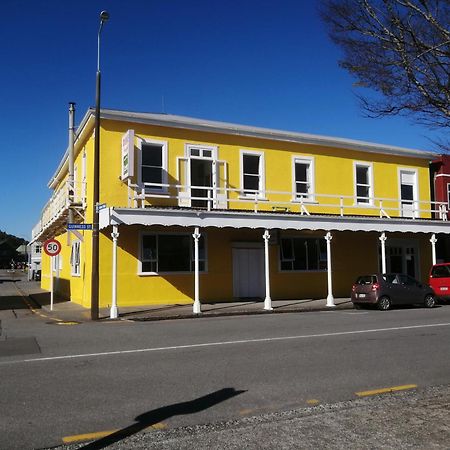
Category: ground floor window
[75,258]
[298,253]
[171,253]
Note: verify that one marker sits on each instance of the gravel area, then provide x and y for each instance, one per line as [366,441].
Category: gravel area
[418,419]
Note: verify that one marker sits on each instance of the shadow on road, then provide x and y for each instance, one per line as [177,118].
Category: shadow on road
[160,414]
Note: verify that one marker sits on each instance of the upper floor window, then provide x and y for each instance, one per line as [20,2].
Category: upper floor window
[154,165]
[448,196]
[304,178]
[171,253]
[252,173]
[363,184]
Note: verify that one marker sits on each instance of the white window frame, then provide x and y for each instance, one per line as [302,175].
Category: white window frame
[369,167]
[75,259]
[448,196]
[83,176]
[56,262]
[184,272]
[310,196]
[76,191]
[201,148]
[261,193]
[164,160]
[415,200]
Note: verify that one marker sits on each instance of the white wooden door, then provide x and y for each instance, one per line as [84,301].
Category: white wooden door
[248,272]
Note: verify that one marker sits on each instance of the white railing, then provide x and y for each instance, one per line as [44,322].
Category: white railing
[58,204]
[283,201]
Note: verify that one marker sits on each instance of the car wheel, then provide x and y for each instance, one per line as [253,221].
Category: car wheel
[358,306]
[384,303]
[429,301]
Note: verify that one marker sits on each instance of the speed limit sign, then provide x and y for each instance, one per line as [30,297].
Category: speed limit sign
[52,247]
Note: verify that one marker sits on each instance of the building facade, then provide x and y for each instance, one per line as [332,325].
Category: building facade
[194,210]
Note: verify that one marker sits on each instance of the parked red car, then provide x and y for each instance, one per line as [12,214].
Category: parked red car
[440,280]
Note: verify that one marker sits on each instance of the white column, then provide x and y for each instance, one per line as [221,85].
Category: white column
[267,300]
[197,307]
[330,298]
[433,241]
[382,239]
[114,313]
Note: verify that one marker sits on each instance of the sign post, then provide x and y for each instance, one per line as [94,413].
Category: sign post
[52,248]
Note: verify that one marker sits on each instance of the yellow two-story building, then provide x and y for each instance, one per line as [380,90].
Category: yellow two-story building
[194,210]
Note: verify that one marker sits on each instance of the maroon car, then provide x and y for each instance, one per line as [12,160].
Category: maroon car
[385,290]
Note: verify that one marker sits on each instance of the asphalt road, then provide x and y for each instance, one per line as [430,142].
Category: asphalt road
[61,382]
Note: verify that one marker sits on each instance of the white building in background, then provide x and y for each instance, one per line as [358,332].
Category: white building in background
[34,251]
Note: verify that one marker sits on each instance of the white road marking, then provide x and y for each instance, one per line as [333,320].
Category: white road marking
[215,344]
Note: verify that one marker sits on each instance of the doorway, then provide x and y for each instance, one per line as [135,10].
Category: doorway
[402,257]
[201,176]
[248,272]
[408,193]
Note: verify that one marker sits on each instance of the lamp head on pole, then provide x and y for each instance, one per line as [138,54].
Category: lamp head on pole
[104,16]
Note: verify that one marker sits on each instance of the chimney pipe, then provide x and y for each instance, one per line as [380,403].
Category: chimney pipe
[71,181]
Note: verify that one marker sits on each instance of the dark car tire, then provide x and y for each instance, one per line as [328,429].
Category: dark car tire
[429,301]
[384,303]
[357,306]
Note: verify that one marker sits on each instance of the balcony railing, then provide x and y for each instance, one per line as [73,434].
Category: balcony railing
[55,213]
[211,198]
[56,209]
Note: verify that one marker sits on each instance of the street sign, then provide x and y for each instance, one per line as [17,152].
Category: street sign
[52,247]
[100,206]
[79,226]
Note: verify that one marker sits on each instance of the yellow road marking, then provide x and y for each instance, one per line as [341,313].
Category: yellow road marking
[68,322]
[313,401]
[87,436]
[157,426]
[243,412]
[386,390]
[102,434]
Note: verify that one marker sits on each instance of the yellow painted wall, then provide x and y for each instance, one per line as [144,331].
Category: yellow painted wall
[334,169]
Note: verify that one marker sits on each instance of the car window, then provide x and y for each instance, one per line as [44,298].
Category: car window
[390,278]
[366,279]
[440,272]
[406,280]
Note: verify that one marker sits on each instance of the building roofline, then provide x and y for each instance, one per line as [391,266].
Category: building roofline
[210,126]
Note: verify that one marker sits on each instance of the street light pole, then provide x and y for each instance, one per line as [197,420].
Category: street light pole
[104,16]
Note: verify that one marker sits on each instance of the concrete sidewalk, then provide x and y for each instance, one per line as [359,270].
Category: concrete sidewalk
[68,311]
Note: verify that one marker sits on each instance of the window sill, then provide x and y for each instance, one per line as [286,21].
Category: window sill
[304,271]
[361,205]
[252,197]
[148,190]
[309,201]
[157,274]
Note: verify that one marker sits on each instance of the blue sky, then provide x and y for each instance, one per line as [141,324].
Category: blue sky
[254,62]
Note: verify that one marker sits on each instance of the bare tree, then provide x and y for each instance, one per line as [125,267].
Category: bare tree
[400,49]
